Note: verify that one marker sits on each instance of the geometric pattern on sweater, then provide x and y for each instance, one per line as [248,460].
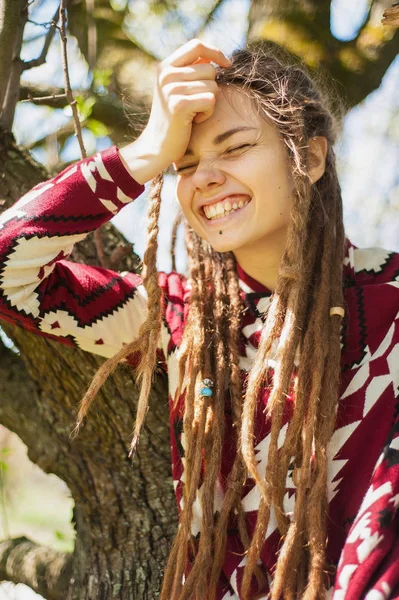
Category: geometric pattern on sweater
[100,310]
[368,566]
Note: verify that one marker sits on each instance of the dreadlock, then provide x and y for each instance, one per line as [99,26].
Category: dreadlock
[297,328]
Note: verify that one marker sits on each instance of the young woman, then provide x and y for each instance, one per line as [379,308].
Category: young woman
[281,346]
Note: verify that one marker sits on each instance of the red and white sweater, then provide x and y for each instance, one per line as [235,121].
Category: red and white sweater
[99,310]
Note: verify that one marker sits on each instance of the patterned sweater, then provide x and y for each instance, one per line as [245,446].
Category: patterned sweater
[99,310]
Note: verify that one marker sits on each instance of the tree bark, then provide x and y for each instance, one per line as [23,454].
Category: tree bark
[12,94]
[10,11]
[125,514]
[46,571]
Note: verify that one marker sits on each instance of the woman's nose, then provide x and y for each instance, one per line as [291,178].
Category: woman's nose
[206,177]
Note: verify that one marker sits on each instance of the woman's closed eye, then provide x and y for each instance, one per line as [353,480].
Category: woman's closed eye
[241,147]
[228,151]
[181,169]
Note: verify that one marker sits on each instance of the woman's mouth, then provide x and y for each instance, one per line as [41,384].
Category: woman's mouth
[226,207]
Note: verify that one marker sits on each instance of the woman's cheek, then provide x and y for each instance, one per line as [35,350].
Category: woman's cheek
[182,196]
[184,199]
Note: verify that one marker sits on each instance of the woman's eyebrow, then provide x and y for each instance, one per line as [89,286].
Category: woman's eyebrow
[223,136]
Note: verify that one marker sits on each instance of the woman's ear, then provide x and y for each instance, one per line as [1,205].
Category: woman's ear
[317,152]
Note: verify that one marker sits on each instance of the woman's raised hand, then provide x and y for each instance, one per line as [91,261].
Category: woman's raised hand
[185,92]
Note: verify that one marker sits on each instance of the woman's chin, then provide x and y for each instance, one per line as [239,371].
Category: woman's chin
[224,245]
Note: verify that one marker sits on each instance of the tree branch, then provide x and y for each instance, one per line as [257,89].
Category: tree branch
[391,16]
[357,65]
[371,36]
[53,97]
[45,99]
[36,62]
[46,571]
[10,11]
[108,109]
[15,69]
[68,88]
[361,68]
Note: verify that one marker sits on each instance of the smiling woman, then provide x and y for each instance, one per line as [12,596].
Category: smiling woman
[245,166]
[280,346]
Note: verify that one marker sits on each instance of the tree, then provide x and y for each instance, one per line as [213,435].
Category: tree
[303,27]
[125,515]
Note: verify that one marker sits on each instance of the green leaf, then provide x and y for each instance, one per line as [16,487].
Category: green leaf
[96,127]
[101,78]
[85,106]
[59,535]
[3,466]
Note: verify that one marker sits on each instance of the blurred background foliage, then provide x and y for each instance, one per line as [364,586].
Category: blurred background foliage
[113,49]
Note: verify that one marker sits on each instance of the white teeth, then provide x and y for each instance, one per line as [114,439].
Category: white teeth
[219,210]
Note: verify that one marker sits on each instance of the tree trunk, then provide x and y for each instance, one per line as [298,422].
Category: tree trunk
[125,512]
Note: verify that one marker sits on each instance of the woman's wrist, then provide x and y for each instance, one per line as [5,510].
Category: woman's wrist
[142,160]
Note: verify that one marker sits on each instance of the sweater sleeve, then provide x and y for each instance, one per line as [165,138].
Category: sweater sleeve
[93,308]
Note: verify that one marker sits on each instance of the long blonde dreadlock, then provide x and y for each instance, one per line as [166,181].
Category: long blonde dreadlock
[297,320]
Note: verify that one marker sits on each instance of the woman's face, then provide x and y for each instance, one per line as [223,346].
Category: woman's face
[233,183]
